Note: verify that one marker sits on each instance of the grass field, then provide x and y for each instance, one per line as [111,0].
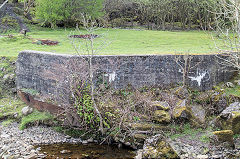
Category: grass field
[122,42]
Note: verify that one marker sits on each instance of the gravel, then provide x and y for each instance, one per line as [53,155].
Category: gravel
[17,143]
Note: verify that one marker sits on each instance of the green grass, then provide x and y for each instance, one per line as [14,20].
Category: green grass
[35,117]
[7,122]
[122,42]
[233,91]
[10,106]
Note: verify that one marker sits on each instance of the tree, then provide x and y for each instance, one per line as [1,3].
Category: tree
[51,11]
[89,47]
[56,11]
[227,29]
[91,8]
[27,6]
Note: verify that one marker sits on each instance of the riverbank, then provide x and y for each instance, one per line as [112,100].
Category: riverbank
[21,143]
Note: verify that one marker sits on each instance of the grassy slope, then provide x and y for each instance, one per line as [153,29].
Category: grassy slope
[128,42]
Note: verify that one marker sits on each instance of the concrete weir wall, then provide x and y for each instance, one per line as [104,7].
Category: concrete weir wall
[48,73]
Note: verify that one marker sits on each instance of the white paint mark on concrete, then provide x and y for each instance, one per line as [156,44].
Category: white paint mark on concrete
[199,77]
[111,76]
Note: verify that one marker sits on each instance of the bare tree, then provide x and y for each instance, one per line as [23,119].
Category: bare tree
[227,29]
[27,6]
[3,4]
[89,47]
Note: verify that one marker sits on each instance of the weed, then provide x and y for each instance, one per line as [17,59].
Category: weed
[35,117]
[30,91]
[73,132]
[236,136]
[10,106]
[136,118]
[233,91]
[84,104]
[205,138]
[58,129]
[7,122]
[185,130]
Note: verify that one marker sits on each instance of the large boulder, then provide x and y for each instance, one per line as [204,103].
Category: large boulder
[194,113]
[157,147]
[181,111]
[224,136]
[219,101]
[229,119]
[198,113]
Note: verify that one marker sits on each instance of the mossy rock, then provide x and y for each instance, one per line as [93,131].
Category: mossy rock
[162,116]
[140,136]
[229,119]
[224,135]
[181,111]
[158,147]
[160,105]
[198,113]
[204,97]
[181,92]
[195,114]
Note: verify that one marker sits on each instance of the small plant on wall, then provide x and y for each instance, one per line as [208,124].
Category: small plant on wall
[84,105]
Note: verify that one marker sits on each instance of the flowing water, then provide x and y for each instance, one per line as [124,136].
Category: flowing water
[89,151]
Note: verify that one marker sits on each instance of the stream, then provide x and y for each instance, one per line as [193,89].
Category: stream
[89,151]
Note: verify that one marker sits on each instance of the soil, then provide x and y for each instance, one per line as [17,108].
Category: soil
[47,42]
[86,36]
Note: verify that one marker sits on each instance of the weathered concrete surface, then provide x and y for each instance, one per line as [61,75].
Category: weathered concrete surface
[49,73]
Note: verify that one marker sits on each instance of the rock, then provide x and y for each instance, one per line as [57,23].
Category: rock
[140,136]
[229,119]
[6,76]
[139,154]
[30,147]
[84,142]
[203,97]
[193,113]
[6,157]
[27,110]
[4,135]
[65,151]
[219,102]
[230,85]
[181,92]
[68,137]
[181,111]
[160,105]
[162,116]
[15,115]
[157,147]
[202,156]
[224,135]
[90,140]
[237,82]
[198,113]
